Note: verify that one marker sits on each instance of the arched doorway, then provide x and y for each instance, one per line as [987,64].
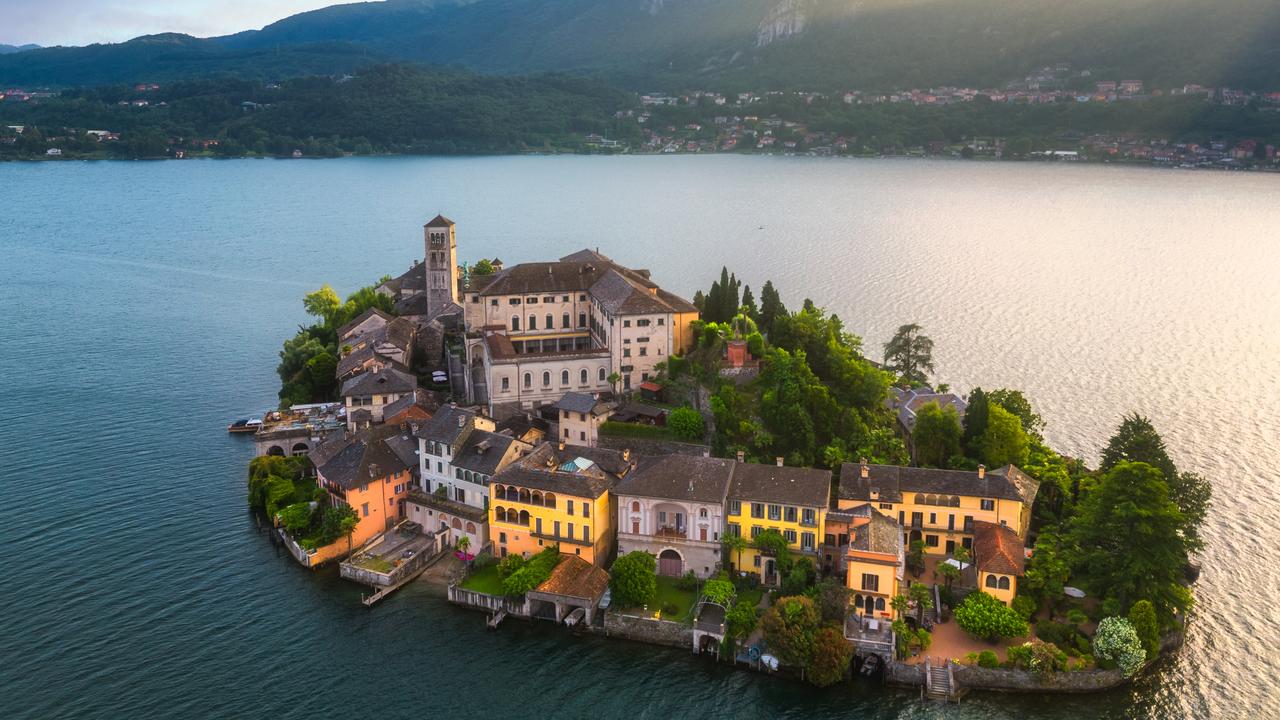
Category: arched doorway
[275,450]
[670,563]
[300,449]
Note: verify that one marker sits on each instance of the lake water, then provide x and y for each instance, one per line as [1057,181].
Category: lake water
[144,304]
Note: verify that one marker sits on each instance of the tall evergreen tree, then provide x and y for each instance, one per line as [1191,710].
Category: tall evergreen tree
[771,307]
[749,302]
[909,353]
[975,421]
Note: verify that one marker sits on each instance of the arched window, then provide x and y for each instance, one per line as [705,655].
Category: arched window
[524,495]
[931,500]
[955,501]
[528,380]
[991,581]
[457,524]
[551,321]
[635,506]
[1004,583]
[564,320]
[533,322]
[564,377]
[603,376]
[702,512]
[919,499]
[524,517]
[536,497]
[513,517]
[499,492]
[880,604]
[500,513]
[546,378]
[582,377]
[515,323]
[471,528]
[549,500]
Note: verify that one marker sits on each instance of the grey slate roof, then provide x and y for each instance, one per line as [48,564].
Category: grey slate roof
[881,534]
[386,317]
[806,487]
[358,459]
[422,398]
[387,380]
[621,290]
[439,221]
[482,451]
[577,402]
[540,470]
[893,482]
[679,477]
[444,427]
[405,446]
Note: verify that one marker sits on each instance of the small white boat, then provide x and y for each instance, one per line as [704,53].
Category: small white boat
[575,617]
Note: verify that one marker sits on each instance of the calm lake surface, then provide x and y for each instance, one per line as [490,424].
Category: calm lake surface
[144,304]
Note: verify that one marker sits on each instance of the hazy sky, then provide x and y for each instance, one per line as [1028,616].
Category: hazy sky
[79,22]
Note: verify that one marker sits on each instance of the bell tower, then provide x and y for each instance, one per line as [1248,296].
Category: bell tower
[440,264]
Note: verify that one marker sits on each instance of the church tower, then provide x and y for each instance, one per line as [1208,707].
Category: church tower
[441,264]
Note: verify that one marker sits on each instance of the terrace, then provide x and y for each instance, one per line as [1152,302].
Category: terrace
[391,556]
[869,634]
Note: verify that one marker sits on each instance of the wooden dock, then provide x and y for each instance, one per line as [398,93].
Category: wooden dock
[495,619]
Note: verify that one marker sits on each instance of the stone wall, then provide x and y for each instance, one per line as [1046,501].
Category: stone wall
[999,679]
[656,632]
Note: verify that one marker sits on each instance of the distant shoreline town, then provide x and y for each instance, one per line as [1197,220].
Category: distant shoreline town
[1051,115]
[568,441]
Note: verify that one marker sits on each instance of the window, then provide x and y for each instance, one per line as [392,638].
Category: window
[586,510]
[564,377]
[931,540]
[991,581]
[807,541]
[557,528]
[871,582]
[546,378]
[790,514]
[457,473]
[775,512]
[886,506]
[515,323]
[570,535]
[642,322]
[644,352]
[564,320]
[933,518]
[506,384]
[968,523]
[528,380]
[533,322]
[642,339]
[549,299]
[1004,583]
[493,302]
[951,521]
[660,321]
[364,509]
[626,352]
[626,323]
[582,319]
[789,536]
[988,504]
[502,537]
[757,511]
[582,298]
[460,495]
[551,322]
[515,301]
[531,301]
[809,517]
[603,376]
[755,561]
[755,530]
[735,530]
[568,506]
[537,526]
[582,435]
[582,376]
[586,532]
[735,507]
[564,298]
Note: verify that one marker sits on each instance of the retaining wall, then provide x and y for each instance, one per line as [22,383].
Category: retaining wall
[657,632]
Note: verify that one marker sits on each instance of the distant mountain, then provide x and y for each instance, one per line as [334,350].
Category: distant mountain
[8,49]
[670,44]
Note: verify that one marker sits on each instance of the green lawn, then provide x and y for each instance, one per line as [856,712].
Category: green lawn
[674,602]
[750,597]
[486,580]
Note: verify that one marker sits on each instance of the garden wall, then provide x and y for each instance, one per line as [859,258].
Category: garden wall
[656,632]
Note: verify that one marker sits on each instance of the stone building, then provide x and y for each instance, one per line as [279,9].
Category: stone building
[673,508]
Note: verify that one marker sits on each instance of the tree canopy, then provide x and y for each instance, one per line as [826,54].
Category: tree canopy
[936,435]
[633,579]
[909,353]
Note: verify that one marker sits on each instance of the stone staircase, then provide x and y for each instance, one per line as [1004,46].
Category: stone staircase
[939,683]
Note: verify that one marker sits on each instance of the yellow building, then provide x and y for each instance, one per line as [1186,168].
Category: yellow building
[1000,557]
[867,551]
[792,501]
[941,507]
[557,494]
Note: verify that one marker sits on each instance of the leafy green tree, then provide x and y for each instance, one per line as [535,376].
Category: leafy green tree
[741,619]
[482,267]
[634,579]
[830,657]
[948,572]
[915,557]
[922,596]
[1142,616]
[1004,442]
[296,518]
[686,423]
[983,616]
[733,546]
[322,303]
[832,598]
[1048,571]
[909,354]
[1136,440]
[1117,641]
[1015,402]
[799,577]
[790,625]
[936,435]
[718,591]
[1129,537]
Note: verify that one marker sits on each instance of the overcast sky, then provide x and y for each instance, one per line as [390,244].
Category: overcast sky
[80,22]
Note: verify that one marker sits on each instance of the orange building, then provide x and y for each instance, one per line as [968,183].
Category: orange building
[370,471]
[1000,558]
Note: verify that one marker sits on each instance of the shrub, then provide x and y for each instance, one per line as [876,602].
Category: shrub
[718,591]
[1076,616]
[532,573]
[988,659]
[1143,618]
[1117,641]
[686,423]
[831,656]
[1038,656]
[789,627]
[981,615]
[741,619]
[1024,606]
[633,578]
[1061,634]
[971,658]
[510,564]
[687,582]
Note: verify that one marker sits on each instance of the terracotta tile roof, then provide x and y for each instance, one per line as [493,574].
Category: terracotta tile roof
[997,549]
[576,578]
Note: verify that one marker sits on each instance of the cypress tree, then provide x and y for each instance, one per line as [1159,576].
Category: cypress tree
[975,421]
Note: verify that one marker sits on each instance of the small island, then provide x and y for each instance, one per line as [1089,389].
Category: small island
[566,440]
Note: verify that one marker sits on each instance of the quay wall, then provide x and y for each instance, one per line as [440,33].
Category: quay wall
[488,603]
[649,630]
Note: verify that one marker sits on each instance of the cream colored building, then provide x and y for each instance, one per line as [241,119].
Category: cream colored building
[538,330]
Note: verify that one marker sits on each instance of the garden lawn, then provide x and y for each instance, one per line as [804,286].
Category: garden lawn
[674,602]
[485,580]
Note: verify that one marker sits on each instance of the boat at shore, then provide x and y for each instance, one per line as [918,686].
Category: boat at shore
[245,425]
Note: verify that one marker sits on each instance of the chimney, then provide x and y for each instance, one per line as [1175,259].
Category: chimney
[562,446]
[982,471]
[863,468]
[462,420]
[626,455]
[742,456]
[779,460]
